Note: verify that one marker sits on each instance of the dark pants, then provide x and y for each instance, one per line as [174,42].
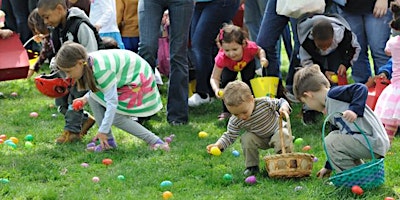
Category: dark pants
[247,74]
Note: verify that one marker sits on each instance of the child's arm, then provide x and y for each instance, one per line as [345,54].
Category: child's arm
[5,33]
[87,38]
[261,56]
[106,11]
[354,94]
[386,70]
[215,80]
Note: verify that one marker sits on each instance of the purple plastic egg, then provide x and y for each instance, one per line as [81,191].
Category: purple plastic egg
[251,180]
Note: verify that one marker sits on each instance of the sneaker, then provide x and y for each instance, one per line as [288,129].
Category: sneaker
[176,123]
[68,137]
[160,145]
[87,125]
[94,145]
[250,171]
[311,117]
[196,100]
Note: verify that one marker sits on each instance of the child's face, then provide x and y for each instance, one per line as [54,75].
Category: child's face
[52,17]
[323,44]
[242,111]
[233,50]
[74,72]
[314,101]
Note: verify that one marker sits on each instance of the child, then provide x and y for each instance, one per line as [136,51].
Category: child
[121,84]
[4,33]
[42,35]
[327,40]
[258,117]
[345,145]
[388,105]
[236,54]
[70,25]
[103,16]
[128,23]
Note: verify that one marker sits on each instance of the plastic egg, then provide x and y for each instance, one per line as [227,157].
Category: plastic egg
[227,177]
[95,179]
[29,137]
[235,153]
[14,139]
[1,141]
[107,161]
[28,145]
[298,188]
[215,151]
[84,165]
[121,177]
[4,180]
[357,190]
[14,94]
[220,93]
[306,148]
[335,78]
[77,105]
[203,134]
[167,195]
[315,159]
[251,180]
[166,184]
[4,137]
[34,114]
[298,141]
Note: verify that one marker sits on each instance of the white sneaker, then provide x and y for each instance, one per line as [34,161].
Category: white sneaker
[196,100]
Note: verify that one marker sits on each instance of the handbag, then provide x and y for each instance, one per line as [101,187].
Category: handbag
[163,56]
[14,61]
[297,8]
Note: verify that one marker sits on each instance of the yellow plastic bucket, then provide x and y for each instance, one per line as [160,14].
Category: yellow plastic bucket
[265,86]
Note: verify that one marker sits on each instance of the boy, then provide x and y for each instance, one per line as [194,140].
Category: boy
[70,25]
[259,118]
[345,144]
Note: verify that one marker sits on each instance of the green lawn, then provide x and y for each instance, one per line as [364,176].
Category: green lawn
[50,171]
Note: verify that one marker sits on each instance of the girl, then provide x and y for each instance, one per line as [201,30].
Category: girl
[388,105]
[121,85]
[236,54]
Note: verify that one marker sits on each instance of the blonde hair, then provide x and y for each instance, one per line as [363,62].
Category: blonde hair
[309,79]
[68,56]
[236,93]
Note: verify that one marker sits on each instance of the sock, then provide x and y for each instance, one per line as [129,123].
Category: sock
[391,131]
[159,141]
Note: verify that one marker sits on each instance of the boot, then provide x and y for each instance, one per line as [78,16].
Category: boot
[68,137]
[87,125]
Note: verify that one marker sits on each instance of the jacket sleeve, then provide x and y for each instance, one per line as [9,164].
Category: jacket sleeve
[354,94]
[387,69]
[350,48]
[87,38]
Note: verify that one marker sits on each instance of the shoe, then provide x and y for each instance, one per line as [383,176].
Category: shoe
[94,145]
[250,171]
[196,100]
[68,137]
[224,115]
[87,125]
[311,117]
[160,145]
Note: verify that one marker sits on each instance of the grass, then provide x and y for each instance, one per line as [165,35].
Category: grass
[50,171]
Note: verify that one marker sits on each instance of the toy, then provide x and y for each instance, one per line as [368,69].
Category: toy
[203,134]
[14,139]
[235,153]
[315,159]
[167,195]
[298,188]
[4,180]
[215,151]
[77,105]
[166,184]
[29,137]
[298,141]
[334,78]
[227,177]
[220,93]
[54,115]
[169,139]
[306,148]
[85,165]
[250,180]
[34,114]
[14,94]
[4,137]
[121,177]
[28,145]
[1,141]
[357,190]
[107,161]
[95,179]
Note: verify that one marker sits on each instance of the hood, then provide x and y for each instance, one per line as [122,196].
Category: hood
[304,25]
[76,12]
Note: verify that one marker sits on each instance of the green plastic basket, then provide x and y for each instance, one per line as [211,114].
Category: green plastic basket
[368,175]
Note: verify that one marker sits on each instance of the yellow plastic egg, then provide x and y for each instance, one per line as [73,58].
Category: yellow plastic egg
[215,151]
[203,134]
[335,78]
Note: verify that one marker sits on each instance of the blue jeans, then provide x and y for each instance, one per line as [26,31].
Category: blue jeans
[371,32]
[20,8]
[180,13]
[131,43]
[253,18]
[206,22]
[272,26]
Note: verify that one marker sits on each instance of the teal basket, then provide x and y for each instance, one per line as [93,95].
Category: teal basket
[368,175]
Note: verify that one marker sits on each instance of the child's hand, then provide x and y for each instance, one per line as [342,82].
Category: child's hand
[350,116]
[342,70]
[284,110]
[79,103]
[211,146]
[6,33]
[264,62]
[324,173]
[219,93]
[103,140]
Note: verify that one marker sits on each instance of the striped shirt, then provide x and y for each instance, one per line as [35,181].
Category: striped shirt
[263,122]
[138,94]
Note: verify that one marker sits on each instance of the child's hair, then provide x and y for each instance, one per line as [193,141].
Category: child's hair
[236,93]
[51,4]
[109,43]
[231,33]
[36,23]
[309,79]
[69,55]
[322,30]
[395,23]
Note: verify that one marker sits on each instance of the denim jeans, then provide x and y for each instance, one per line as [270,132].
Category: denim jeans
[207,19]
[180,13]
[272,26]
[371,32]
[253,18]
[20,9]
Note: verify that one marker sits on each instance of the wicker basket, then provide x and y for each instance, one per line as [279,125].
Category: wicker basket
[287,165]
[368,175]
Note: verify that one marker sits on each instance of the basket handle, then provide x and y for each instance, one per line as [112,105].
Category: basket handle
[355,124]
[281,135]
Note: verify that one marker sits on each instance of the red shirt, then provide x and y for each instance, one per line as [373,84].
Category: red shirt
[249,52]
